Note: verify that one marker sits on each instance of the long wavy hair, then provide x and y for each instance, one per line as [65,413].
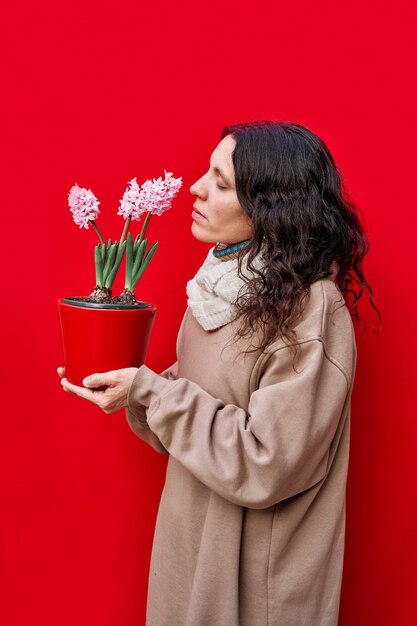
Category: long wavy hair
[303,220]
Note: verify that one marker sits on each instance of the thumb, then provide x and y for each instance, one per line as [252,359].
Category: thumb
[96,380]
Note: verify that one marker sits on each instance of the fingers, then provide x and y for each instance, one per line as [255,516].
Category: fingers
[111,397]
[82,392]
[101,380]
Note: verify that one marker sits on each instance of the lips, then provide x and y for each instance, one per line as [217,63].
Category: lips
[197,211]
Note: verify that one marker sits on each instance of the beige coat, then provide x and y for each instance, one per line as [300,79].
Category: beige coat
[251,523]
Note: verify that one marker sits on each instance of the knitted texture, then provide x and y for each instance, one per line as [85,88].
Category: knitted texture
[213,291]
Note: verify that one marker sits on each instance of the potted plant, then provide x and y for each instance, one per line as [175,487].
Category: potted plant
[100,332]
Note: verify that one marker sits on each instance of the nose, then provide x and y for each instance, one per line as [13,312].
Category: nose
[197,188]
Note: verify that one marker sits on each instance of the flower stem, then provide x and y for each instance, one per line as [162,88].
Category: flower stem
[126,228]
[96,228]
[144,227]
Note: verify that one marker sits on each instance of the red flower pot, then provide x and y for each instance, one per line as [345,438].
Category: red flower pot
[103,337]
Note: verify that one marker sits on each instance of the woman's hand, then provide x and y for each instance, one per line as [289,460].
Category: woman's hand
[111,399]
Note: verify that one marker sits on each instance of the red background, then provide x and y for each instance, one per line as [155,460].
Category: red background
[98,92]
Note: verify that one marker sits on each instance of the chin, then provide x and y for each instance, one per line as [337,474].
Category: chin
[202,236]
[205,239]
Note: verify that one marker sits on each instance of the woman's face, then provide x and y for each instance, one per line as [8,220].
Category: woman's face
[220,217]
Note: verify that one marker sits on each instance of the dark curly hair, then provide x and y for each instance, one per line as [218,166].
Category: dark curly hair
[289,185]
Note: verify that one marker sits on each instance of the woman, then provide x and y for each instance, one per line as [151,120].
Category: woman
[255,412]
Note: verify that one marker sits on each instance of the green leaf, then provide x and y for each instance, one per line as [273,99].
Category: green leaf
[129,260]
[145,264]
[112,275]
[139,256]
[99,265]
[120,253]
[102,252]
[110,260]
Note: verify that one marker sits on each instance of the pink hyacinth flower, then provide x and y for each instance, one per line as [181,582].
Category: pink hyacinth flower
[157,195]
[130,206]
[83,205]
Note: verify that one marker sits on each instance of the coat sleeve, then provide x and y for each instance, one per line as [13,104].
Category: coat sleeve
[277,448]
[137,419]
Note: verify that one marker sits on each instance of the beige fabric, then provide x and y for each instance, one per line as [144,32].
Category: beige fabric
[251,523]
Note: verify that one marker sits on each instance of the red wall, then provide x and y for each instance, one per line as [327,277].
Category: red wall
[98,92]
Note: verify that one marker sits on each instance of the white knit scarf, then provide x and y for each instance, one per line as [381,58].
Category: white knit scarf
[214,289]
